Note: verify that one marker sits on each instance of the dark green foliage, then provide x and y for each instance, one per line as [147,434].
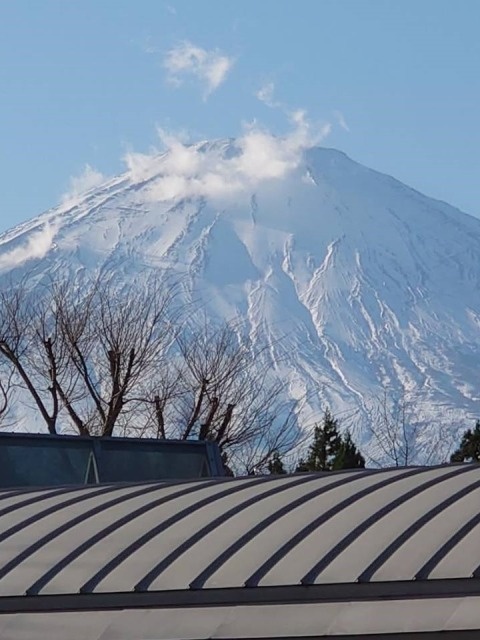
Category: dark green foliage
[469,449]
[330,451]
[275,465]
[325,446]
[348,456]
[301,466]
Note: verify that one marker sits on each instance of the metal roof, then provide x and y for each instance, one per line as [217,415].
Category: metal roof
[328,538]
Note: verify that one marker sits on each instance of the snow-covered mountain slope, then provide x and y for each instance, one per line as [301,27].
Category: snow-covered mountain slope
[359,282]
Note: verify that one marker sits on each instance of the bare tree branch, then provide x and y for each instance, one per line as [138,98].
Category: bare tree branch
[22,318]
[396,428]
[108,359]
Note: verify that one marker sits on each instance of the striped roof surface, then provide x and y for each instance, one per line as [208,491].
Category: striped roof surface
[413,525]
[383,555]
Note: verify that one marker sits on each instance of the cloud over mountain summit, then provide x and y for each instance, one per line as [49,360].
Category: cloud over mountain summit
[357,282]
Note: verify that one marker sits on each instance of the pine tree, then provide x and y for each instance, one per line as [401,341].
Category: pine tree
[330,451]
[275,465]
[301,466]
[348,456]
[326,444]
[469,449]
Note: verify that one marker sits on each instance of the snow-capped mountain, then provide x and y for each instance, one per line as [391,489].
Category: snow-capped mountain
[358,282]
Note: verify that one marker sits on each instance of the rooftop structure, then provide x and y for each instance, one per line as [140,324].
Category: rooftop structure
[28,460]
[383,554]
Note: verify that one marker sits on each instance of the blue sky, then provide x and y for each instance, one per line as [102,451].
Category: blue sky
[86,82]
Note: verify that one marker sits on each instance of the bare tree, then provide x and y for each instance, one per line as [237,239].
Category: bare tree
[397,429]
[116,341]
[6,390]
[282,438]
[28,336]
[222,389]
[106,360]
[161,392]
[85,353]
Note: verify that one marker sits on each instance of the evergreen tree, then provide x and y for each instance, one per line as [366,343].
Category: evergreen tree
[469,449]
[348,456]
[301,466]
[325,446]
[330,451]
[275,465]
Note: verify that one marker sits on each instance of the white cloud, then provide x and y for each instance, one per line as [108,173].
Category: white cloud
[341,120]
[38,244]
[139,165]
[266,95]
[224,169]
[210,67]
[88,179]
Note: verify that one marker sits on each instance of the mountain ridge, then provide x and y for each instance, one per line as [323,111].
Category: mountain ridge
[365,283]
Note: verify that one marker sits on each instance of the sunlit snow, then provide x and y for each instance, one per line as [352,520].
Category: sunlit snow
[357,282]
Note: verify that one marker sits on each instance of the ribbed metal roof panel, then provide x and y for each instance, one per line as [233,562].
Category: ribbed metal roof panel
[367,526]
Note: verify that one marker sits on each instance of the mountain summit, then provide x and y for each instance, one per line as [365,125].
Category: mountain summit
[359,283]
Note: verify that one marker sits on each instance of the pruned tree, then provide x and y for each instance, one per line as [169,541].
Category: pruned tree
[221,389]
[104,360]
[86,353]
[160,395]
[29,336]
[116,341]
[217,372]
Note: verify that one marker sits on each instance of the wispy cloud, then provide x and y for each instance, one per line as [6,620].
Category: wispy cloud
[341,120]
[148,46]
[88,179]
[223,170]
[266,95]
[39,242]
[209,67]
